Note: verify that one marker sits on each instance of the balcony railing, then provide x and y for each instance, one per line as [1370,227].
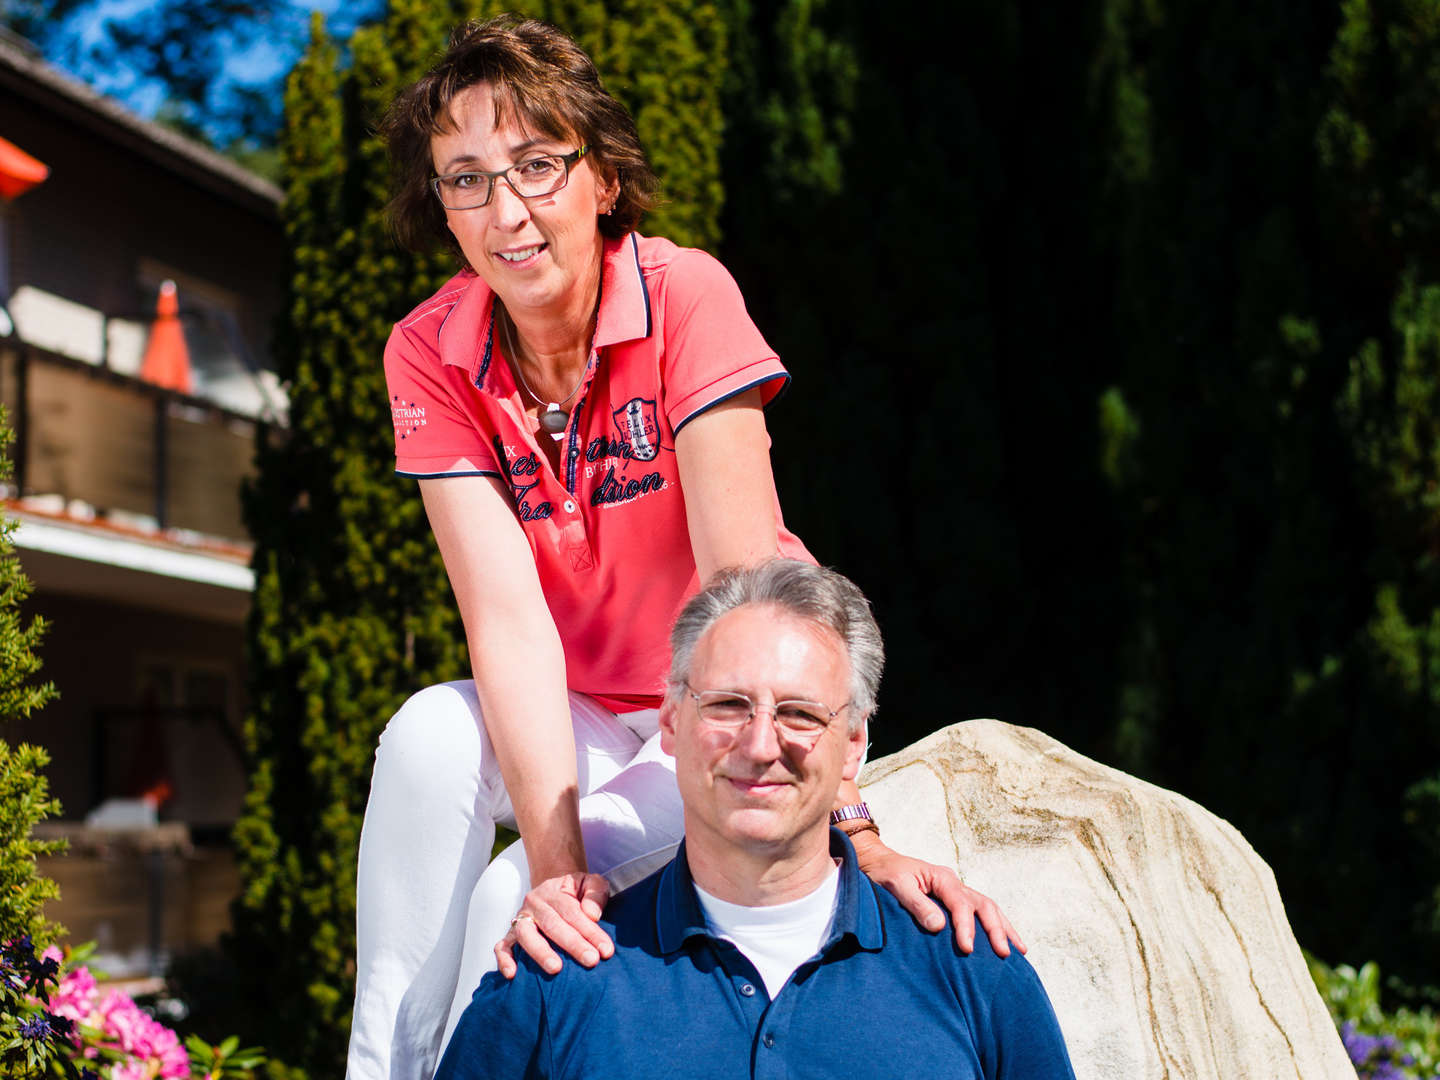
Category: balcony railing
[122,447]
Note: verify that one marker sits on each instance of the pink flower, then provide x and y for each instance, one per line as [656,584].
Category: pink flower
[174,1061]
[123,1021]
[151,1050]
[155,1047]
[76,996]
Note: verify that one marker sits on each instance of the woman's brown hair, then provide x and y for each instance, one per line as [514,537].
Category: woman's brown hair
[540,78]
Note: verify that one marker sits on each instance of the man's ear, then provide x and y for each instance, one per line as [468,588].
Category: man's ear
[667,725]
[855,751]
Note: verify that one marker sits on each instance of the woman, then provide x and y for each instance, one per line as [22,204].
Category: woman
[582,408]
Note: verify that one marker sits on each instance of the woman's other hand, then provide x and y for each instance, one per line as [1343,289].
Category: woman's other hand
[914,881]
[562,911]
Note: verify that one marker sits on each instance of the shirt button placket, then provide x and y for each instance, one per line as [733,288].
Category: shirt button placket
[770,1055]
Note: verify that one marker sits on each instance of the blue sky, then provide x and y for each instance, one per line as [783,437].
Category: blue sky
[250,59]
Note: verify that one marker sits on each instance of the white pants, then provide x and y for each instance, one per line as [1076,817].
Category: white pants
[429,910]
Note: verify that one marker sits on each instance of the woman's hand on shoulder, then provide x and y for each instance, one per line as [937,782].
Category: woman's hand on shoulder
[913,882]
[562,911]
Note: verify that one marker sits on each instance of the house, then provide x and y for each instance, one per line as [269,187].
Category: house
[134,432]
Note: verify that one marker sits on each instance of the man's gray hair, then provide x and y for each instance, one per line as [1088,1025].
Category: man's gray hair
[822,596]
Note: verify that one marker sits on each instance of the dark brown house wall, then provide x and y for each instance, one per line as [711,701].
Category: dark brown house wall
[96,654]
[83,232]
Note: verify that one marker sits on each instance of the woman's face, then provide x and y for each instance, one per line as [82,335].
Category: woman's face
[541,256]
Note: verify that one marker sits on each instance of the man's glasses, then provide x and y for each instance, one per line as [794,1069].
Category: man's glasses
[529,179]
[730,710]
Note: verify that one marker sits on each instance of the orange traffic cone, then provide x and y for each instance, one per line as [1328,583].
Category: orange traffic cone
[167,360]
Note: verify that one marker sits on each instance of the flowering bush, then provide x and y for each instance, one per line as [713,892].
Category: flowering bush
[1400,1045]
[1376,1057]
[56,1018]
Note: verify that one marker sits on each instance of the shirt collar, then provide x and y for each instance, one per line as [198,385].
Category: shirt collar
[678,916]
[624,311]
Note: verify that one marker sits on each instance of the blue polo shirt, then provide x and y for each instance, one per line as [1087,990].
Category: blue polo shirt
[881,999]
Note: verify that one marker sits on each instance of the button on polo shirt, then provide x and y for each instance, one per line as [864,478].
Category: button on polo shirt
[608,528]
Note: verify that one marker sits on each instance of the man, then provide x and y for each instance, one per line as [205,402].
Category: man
[761,949]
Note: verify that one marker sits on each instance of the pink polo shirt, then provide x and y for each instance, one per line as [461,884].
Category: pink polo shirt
[609,534]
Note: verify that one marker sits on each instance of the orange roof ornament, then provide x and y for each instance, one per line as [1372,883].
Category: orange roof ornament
[167,359]
[19,172]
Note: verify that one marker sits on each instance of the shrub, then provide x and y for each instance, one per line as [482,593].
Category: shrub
[1403,1044]
[57,1019]
[24,793]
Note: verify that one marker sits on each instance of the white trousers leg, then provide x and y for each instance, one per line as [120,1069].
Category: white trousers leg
[428,910]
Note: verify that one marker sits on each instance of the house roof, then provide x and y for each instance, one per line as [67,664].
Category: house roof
[24,72]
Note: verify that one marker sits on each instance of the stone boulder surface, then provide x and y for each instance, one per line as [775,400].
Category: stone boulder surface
[1158,932]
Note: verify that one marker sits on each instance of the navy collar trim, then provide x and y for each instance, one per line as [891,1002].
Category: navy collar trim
[678,916]
[624,314]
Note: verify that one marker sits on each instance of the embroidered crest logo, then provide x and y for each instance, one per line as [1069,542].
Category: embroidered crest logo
[638,425]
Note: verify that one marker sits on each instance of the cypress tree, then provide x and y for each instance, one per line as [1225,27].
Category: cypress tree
[1117,334]
[902,217]
[1379,151]
[1270,437]
[352,611]
[24,792]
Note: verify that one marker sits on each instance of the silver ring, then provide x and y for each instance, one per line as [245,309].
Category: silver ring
[521,915]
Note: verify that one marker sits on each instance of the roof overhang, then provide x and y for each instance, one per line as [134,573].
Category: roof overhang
[29,76]
[96,562]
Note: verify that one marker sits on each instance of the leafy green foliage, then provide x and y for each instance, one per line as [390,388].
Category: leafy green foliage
[227,1060]
[1407,1039]
[58,1020]
[24,802]
[24,792]
[33,1040]
[351,611]
[1114,363]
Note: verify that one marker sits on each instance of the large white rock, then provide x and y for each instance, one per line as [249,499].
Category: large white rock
[1157,930]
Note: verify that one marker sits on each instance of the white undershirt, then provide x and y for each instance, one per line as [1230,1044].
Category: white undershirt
[779,938]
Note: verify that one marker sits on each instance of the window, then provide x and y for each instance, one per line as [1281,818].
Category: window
[224,367]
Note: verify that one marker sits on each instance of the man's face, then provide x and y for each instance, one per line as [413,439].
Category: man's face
[758,790]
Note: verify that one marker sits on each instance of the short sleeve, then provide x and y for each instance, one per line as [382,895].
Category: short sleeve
[502,1032]
[713,349]
[1016,1032]
[434,434]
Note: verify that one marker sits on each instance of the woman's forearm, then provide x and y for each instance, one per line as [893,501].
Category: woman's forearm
[518,664]
[520,680]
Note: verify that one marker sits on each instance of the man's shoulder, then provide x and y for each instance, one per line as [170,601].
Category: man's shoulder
[981,967]
[629,921]
[630,914]
[994,1004]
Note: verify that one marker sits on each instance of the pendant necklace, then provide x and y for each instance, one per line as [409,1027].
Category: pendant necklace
[554,417]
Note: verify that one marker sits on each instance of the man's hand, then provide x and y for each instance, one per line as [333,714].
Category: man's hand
[913,882]
[563,910]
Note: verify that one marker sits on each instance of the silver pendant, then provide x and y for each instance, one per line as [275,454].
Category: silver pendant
[554,419]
